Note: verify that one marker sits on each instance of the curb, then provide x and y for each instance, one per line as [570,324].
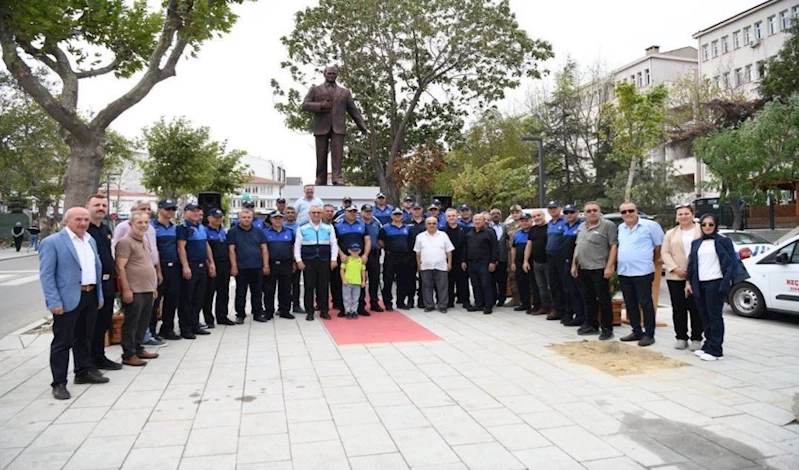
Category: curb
[29,327]
[26,255]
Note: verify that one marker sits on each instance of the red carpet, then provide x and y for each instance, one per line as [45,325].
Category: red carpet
[385,327]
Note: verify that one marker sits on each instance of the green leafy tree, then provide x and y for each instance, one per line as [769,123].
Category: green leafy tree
[782,77]
[747,161]
[654,191]
[183,160]
[78,40]
[417,172]
[415,68]
[636,127]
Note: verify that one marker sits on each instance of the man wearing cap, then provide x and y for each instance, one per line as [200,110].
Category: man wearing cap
[197,263]
[257,222]
[315,255]
[556,261]
[169,289]
[535,261]
[373,264]
[512,227]
[417,226]
[217,287]
[575,305]
[434,211]
[280,206]
[525,280]
[499,278]
[290,222]
[407,203]
[457,276]
[434,260]
[303,204]
[280,245]
[466,216]
[352,231]
[398,263]
[382,211]
[249,263]
[481,254]
[345,203]
[328,211]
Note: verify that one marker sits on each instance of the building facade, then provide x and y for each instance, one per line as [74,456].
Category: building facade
[734,53]
[263,189]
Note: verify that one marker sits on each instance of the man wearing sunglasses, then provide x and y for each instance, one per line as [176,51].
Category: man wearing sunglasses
[169,289]
[639,246]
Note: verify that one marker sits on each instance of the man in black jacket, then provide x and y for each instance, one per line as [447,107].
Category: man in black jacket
[457,276]
[481,254]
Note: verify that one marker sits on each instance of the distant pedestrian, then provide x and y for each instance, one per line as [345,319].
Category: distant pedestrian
[18,233]
[34,232]
[434,259]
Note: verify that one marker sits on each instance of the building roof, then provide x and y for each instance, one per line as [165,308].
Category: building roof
[259,180]
[709,29]
[683,54]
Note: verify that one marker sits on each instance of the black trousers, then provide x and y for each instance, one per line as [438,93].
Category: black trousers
[556,264]
[398,268]
[458,279]
[316,276]
[278,280]
[103,322]
[137,319]
[169,292]
[295,288]
[575,297]
[528,289]
[252,279]
[190,301]
[217,288]
[637,292]
[711,303]
[18,243]
[483,288]
[597,298]
[681,309]
[336,287]
[499,278]
[73,330]
[373,274]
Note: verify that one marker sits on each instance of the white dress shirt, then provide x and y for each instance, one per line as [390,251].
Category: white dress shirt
[433,250]
[86,254]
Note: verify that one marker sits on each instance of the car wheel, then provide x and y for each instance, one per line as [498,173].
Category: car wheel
[746,300]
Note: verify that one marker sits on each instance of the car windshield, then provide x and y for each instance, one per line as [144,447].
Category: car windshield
[744,238]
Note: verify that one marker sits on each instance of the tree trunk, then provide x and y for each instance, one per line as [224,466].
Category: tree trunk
[737,216]
[628,188]
[83,173]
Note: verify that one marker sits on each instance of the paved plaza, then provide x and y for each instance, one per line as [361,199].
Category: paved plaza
[489,395]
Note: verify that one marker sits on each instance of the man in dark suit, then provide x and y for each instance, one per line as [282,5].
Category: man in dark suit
[330,105]
[71,275]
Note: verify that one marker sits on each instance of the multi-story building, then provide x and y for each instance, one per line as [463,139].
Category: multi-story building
[263,189]
[734,53]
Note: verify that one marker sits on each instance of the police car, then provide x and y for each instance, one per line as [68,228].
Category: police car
[747,244]
[773,285]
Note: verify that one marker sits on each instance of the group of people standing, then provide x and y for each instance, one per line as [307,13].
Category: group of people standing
[559,268]
[18,235]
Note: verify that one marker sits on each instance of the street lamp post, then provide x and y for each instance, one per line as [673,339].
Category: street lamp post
[541,190]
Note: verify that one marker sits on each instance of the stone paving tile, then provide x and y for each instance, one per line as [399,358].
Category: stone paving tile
[39,459]
[579,443]
[164,434]
[547,458]
[456,426]
[212,441]
[423,446]
[383,462]
[167,458]
[211,462]
[101,452]
[366,439]
[489,455]
[313,456]
[617,463]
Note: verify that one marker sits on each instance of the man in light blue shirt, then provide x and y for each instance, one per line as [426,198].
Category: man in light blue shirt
[639,247]
[303,204]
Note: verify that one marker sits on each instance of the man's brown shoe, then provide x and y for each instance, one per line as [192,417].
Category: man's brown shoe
[536,312]
[133,361]
[146,355]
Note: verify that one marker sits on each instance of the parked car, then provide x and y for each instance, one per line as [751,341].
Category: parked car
[615,217]
[773,285]
[747,244]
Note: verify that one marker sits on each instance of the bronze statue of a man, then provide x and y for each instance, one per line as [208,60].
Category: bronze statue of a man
[330,104]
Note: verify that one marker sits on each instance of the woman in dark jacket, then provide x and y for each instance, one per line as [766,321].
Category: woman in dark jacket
[712,266]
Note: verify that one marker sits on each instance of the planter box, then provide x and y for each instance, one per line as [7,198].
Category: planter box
[115,333]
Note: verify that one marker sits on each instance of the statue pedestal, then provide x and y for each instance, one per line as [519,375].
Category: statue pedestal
[334,194]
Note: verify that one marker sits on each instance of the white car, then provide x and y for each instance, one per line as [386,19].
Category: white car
[747,244]
[773,285]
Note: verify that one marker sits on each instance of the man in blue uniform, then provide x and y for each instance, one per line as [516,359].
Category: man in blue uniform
[457,276]
[398,265]
[407,203]
[575,306]
[417,226]
[525,280]
[280,244]
[556,261]
[290,222]
[466,216]
[218,287]
[197,263]
[345,203]
[381,210]
[249,263]
[373,265]
[169,290]
[348,232]
[315,256]
[257,222]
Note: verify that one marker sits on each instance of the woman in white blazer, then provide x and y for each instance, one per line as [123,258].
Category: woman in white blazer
[675,251]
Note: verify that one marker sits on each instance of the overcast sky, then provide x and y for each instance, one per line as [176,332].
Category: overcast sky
[227,86]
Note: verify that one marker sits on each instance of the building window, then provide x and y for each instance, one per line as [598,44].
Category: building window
[726,79]
[632,79]
[758,30]
[739,77]
[736,40]
[647,77]
[785,20]
[705,53]
[747,35]
[725,44]
[772,25]
[795,11]
[761,69]
[714,48]
[638,80]
[748,74]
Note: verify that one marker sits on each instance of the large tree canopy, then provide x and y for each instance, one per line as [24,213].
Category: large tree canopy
[415,68]
[782,76]
[78,39]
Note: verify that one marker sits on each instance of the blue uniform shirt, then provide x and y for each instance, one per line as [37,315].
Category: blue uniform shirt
[637,247]
[217,240]
[555,232]
[196,238]
[383,215]
[248,246]
[257,223]
[396,239]
[373,227]
[349,233]
[570,239]
[280,244]
[293,226]
[166,240]
[469,224]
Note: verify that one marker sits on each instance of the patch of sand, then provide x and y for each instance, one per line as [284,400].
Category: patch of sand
[616,358]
